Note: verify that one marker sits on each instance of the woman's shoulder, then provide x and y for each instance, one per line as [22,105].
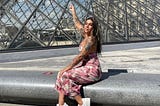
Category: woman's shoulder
[91,39]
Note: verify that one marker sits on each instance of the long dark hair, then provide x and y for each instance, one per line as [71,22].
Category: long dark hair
[96,33]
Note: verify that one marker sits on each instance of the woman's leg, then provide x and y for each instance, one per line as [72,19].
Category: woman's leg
[61,99]
[71,82]
[75,78]
[78,98]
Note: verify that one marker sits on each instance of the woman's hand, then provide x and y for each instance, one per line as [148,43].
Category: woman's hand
[60,73]
[76,21]
[72,9]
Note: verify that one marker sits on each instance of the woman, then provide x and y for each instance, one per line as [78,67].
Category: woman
[70,79]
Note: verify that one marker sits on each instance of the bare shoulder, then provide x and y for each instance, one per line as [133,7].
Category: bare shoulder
[91,39]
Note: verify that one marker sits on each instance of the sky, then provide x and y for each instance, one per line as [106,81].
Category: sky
[23,9]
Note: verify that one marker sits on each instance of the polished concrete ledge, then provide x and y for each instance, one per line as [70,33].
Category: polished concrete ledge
[126,89]
[115,88]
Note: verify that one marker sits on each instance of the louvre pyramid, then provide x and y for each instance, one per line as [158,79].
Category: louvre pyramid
[43,23]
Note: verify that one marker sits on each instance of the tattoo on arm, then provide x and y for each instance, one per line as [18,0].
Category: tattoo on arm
[75,19]
[81,31]
[88,46]
[76,60]
[77,22]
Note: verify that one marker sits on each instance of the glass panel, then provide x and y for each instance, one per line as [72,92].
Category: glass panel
[43,23]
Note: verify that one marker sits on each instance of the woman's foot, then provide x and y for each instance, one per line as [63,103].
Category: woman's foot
[86,102]
[59,105]
[62,105]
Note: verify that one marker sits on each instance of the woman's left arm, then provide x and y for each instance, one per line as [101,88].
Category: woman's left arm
[80,56]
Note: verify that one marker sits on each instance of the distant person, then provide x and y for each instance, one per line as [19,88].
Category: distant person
[85,67]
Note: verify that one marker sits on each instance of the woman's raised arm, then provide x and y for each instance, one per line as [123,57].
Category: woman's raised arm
[76,21]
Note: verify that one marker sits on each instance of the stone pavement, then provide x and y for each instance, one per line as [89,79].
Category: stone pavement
[143,60]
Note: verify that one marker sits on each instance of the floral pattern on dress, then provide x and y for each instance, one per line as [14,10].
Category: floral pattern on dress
[72,80]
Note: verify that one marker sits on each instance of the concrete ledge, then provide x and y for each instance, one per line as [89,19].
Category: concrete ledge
[27,87]
[126,89]
[114,88]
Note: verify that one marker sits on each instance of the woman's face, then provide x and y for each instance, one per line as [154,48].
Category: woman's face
[88,26]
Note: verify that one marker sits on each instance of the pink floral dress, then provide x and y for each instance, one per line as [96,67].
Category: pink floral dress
[88,71]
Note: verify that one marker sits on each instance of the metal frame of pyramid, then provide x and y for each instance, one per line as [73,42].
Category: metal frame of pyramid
[43,23]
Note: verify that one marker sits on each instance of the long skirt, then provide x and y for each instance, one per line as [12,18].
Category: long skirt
[71,81]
